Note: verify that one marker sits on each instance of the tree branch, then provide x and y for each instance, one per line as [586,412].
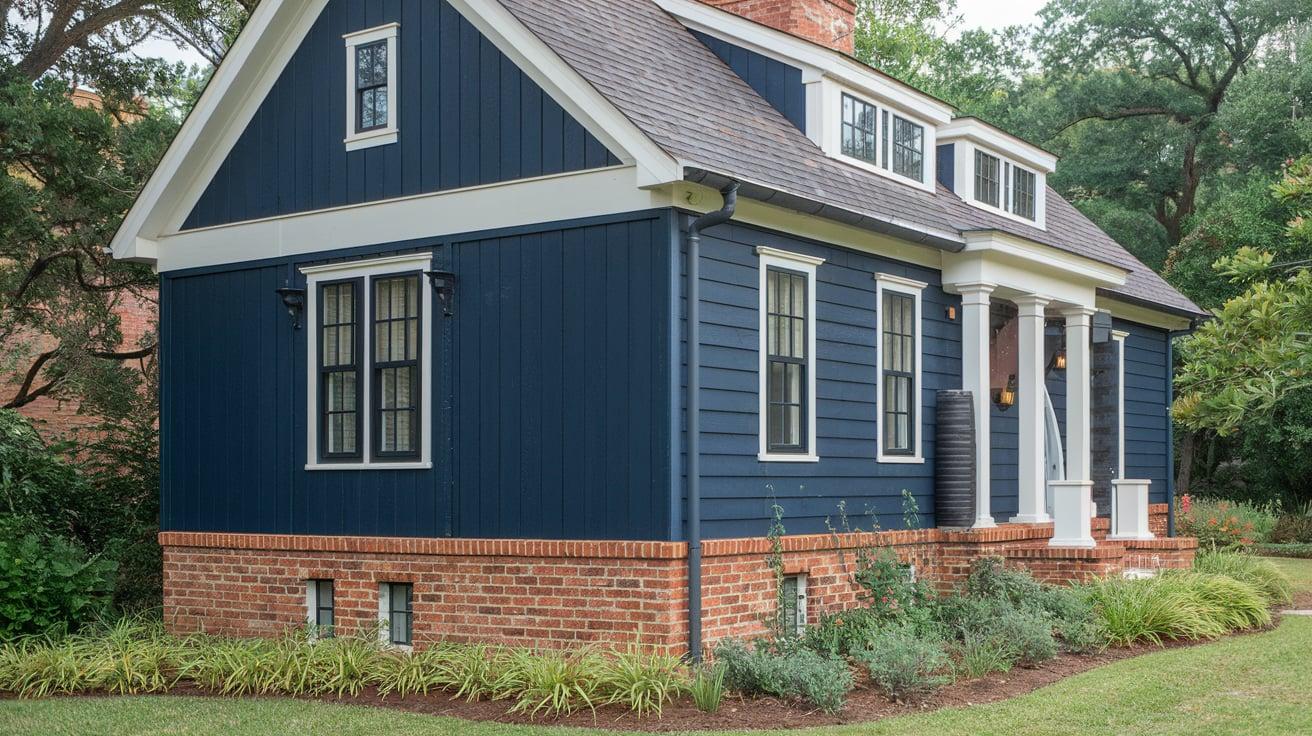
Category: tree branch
[25,395]
[1128,112]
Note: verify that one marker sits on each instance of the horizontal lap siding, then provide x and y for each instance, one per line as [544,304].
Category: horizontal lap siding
[737,489]
[1147,426]
[550,402]
[776,82]
[467,116]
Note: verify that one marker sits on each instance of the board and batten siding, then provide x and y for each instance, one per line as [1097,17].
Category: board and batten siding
[1147,417]
[551,392]
[738,490]
[466,116]
[777,83]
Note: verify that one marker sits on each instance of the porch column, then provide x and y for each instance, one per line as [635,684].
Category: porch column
[1072,499]
[1032,471]
[975,379]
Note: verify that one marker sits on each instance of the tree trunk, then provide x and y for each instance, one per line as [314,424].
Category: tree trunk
[1185,462]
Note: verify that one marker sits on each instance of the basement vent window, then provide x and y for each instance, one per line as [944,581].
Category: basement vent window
[319,602]
[396,612]
[792,596]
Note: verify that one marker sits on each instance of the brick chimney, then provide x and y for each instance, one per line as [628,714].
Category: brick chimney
[826,22]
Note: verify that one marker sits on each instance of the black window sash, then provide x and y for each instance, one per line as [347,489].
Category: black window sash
[415,366]
[799,363]
[371,84]
[908,148]
[325,415]
[400,616]
[324,612]
[859,129]
[988,173]
[894,377]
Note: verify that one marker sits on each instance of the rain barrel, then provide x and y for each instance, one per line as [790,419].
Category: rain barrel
[954,459]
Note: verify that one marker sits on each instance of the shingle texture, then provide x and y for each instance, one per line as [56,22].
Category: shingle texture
[678,93]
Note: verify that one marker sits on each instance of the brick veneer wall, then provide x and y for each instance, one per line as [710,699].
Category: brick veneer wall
[830,23]
[568,593]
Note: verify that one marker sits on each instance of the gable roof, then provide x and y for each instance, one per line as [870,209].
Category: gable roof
[642,59]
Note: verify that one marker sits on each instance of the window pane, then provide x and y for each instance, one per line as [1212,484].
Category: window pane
[858,129]
[1023,187]
[988,177]
[908,148]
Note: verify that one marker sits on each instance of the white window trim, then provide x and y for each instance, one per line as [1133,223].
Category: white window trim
[803,264]
[381,136]
[385,617]
[1119,336]
[831,138]
[966,189]
[368,270]
[901,285]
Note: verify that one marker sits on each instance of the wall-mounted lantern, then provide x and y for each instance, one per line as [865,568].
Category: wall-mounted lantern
[294,300]
[1059,360]
[1005,397]
[444,285]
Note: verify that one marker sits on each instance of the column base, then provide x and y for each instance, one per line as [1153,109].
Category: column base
[1031,519]
[1072,512]
[984,522]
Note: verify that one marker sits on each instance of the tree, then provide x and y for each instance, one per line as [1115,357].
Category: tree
[1134,93]
[1240,367]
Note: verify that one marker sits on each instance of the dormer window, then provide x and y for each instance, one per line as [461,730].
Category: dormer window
[1022,192]
[880,139]
[988,179]
[371,58]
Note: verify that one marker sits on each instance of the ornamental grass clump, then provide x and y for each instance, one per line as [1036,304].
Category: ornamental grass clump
[554,683]
[1270,580]
[642,681]
[707,688]
[1184,605]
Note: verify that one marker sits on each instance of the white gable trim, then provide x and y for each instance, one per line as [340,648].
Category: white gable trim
[258,57]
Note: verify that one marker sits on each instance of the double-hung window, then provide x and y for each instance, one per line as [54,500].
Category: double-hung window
[787,355]
[371,88]
[988,179]
[899,351]
[370,364]
[1022,192]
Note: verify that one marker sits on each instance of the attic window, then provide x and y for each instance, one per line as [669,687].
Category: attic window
[371,87]
[1022,192]
[859,121]
[908,148]
[988,179]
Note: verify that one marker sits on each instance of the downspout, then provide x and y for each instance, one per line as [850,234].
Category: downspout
[1170,423]
[693,464]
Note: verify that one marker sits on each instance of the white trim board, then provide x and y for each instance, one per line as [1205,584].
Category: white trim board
[368,271]
[806,265]
[356,140]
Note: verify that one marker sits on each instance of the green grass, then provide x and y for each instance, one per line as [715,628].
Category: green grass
[1251,684]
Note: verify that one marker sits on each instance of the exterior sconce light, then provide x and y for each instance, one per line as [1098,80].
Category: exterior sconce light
[444,285]
[1059,360]
[1005,397]
[952,314]
[294,300]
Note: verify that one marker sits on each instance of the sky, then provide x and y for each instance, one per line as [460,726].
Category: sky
[988,14]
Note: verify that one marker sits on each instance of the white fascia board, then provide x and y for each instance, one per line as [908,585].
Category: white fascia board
[1000,143]
[654,167]
[1045,258]
[814,60]
[226,106]
[1143,315]
[473,209]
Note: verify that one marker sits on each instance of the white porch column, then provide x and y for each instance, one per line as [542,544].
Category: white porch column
[1032,475]
[975,379]
[1072,499]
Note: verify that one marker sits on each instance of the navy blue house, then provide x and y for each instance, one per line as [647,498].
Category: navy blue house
[442,275]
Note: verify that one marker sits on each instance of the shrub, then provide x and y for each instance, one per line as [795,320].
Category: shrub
[990,578]
[707,688]
[886,583]
[1224,525]
[1026,632]
[1303,551]
[1076,625]
[823,680]
[901,663]
[842,632]
[644,681]
[979,654]
[47,582]
[1292,529]
[1270,580]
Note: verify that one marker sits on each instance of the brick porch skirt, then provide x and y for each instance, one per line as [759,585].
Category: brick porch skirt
[571,593]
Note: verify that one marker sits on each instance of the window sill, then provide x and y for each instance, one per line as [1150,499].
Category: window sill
[370,139]
[369,466]
[900,460]
[865,165]
[767,457]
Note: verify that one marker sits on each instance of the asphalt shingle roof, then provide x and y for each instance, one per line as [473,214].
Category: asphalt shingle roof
[688,102]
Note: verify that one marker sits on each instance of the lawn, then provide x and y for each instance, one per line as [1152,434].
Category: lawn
[1250,684]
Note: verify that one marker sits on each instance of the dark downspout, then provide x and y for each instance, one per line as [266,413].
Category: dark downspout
[1170,424]
[710,219]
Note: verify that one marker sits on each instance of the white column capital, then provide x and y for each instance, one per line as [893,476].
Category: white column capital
[1119,334]
[1031,305]
[1078,315]
[975,292]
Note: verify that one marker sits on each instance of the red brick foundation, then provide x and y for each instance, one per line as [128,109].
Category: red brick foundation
[569,593]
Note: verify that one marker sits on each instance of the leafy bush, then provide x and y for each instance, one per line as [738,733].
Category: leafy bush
[1224,525]
[823,680]
[707,688]
[886,583]
[1303,551]
[1026,632]
[47,582]
[901,663]
[1292,529]
[643,681]
[842,632]
[1270,580]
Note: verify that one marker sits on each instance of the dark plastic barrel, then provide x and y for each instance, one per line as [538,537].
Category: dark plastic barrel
[954,460]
